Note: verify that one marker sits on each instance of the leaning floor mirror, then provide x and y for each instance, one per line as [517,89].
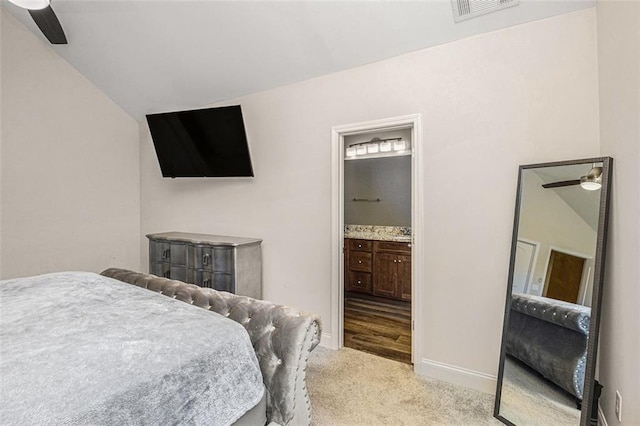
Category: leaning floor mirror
[547,365]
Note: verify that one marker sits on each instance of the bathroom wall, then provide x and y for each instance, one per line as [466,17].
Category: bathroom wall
[387,179]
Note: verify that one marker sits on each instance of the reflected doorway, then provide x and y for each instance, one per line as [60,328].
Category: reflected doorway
[564,276]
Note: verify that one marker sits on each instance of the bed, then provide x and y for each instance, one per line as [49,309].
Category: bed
[83,348]
[551,337]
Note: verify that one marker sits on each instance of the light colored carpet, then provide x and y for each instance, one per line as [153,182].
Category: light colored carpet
[529,399]
[349,387]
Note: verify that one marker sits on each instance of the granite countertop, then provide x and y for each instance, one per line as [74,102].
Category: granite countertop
[379,233]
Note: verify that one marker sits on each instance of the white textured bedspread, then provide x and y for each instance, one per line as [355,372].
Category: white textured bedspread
[78,348]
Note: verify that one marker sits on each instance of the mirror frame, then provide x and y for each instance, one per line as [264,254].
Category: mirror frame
[598,279]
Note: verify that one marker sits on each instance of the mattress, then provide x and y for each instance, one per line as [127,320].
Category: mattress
[79,348]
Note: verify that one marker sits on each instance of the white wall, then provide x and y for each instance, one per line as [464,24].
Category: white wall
[619,66]
[69,166]
[488,103]
[387,179]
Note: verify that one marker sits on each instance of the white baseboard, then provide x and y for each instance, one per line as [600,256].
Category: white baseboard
[457,375]
[327,341]
[602,420]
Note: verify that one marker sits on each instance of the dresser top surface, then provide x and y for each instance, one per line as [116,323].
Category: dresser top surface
[214,240]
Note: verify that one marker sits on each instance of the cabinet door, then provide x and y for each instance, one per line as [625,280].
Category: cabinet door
[404,277]
[385,275]
[359,281]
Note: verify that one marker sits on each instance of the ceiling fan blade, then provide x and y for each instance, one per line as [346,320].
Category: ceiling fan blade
[561,183]
[48,23]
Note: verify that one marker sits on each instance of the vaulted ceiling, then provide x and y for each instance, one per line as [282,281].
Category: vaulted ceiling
[154,56]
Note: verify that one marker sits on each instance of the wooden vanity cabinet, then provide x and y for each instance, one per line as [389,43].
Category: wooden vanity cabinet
[380,268]
[392,270]
[358,265]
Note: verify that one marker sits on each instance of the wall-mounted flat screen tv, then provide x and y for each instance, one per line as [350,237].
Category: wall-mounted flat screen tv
[209,142]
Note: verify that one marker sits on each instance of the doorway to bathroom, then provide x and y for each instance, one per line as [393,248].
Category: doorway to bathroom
[377,243]
[376,284]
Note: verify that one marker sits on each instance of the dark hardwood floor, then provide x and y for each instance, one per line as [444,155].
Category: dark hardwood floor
[378,327]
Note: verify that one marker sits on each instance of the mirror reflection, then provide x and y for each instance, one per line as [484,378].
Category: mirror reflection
[547,332]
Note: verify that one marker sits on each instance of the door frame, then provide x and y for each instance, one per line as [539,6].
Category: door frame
[534,263]
[584,280]
[414,123]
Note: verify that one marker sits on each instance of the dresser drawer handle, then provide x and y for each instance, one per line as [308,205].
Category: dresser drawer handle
[165,253]
[205,259]
[206,282]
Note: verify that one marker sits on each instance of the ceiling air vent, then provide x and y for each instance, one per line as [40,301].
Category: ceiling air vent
[467,9]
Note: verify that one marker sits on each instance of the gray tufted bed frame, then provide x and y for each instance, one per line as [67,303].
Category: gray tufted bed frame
[551,337]
[282,337]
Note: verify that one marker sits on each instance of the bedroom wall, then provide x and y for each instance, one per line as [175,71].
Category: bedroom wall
[619,66]
[69,165]
[489,103]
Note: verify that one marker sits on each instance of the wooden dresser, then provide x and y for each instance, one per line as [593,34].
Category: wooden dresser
[378,268]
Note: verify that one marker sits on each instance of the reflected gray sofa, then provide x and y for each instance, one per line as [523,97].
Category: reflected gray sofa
[282,337]
[551,337]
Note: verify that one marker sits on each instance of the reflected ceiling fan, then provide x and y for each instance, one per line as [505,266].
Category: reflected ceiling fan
[45,18]
[592,181]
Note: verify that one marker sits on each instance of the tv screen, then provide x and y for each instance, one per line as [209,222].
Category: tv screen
[201,143]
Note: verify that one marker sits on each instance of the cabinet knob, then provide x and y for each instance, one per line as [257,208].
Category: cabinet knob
[359,261]
[359,282]
[399,261]
[359,245]
[395,260]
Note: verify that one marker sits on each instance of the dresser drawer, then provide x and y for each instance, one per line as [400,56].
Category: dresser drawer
[359,281]
[394,246]
[159,251]
[216,280]
[216,259]
[360,261]
[360,245]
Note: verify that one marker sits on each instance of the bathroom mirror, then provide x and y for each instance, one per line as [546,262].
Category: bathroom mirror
[552,309]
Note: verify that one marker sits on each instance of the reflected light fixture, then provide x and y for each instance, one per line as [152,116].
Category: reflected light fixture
[593,180]
[385,146]
[399,145]
[31,4]
[372,148]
